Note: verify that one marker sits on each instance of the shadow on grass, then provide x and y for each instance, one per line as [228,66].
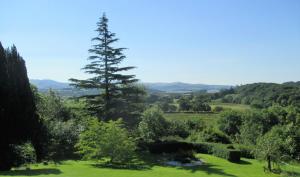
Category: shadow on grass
[140,166]
[291,174]
[243,162]
[148,161]
[209,169]
[31,172]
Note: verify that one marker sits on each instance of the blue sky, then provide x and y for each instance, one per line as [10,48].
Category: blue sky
[195,41]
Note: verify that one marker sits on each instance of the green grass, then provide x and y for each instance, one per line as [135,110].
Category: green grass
[236,107]
[208,118]
[214,167]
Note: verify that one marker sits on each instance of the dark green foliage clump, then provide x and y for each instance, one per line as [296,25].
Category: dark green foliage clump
[19,122]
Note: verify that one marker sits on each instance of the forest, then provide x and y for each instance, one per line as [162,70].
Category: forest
[122,129]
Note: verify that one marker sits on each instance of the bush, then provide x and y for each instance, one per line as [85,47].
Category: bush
[159,147]
[213,136]
[106,140]
[153,125]
[178,128]
[225,153]
[246,151]
[218,109]
[23,154]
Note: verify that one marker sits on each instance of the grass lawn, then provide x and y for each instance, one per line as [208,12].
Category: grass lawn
[214,167]
[236,107]
[208,118]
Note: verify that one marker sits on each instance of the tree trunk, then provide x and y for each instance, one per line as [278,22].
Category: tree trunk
[269,163]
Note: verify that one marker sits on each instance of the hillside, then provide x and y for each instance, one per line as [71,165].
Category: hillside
[265,94]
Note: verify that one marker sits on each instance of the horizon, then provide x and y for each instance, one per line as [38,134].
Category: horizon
[206,42]
[67,82]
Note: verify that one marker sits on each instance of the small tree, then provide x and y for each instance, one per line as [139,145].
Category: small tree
[106,140]
[153,125]
[269,147]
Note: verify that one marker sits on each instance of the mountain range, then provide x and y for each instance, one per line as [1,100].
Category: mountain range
[174,87]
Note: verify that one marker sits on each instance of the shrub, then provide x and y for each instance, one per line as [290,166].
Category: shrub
[178,128]
[106,140]
[246,151]
[225,153]
[23,154]
[218,109]
[153,125]
[213,136]
[169,147]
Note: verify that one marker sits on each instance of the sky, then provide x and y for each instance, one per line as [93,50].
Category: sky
[195,41]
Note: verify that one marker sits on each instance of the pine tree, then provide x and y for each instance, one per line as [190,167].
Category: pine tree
[108,76]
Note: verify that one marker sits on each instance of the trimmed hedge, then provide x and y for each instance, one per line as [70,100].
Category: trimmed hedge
[169,147]
[218,150]
[246,151]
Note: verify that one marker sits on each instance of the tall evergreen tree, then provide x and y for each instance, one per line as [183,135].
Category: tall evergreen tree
[18,119]
[108,77]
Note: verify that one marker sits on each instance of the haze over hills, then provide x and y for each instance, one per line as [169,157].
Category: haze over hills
[173,87]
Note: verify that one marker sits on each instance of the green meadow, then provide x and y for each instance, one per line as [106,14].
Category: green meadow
[213,167]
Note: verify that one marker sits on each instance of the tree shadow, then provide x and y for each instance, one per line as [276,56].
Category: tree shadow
[291,173]
[31,172]
[133,166]
[209,169]
[243,162]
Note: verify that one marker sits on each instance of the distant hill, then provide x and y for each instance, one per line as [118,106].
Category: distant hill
[46,84]
[176,87]
[262,95]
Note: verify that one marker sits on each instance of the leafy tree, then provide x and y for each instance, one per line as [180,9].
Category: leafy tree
[116,88]
[269,147]
[229,122]
[252,127]
[106,140]
[153,125]
[19,122]
[184,104]
[62,125]
[199,106]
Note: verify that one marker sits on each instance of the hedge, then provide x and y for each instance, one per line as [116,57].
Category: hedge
[218,150]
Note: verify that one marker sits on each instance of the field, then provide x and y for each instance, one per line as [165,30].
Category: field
[208,118]
[213,167]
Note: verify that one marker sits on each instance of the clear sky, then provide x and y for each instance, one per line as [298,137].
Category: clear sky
[196,41]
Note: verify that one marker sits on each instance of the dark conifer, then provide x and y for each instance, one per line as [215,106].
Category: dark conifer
[108,76]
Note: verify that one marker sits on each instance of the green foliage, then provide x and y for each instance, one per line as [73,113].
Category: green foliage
[178,128]
[269,147]
[225,153]
[263,95]
[251,128]
[24,154]
[106,140]
[62,120]
[209,134]
[19,122]
[184,104]
[218,109]
[229,122]
[153,125]
[117,91]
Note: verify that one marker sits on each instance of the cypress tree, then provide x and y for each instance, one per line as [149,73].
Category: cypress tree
[18,119]
[108,76]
